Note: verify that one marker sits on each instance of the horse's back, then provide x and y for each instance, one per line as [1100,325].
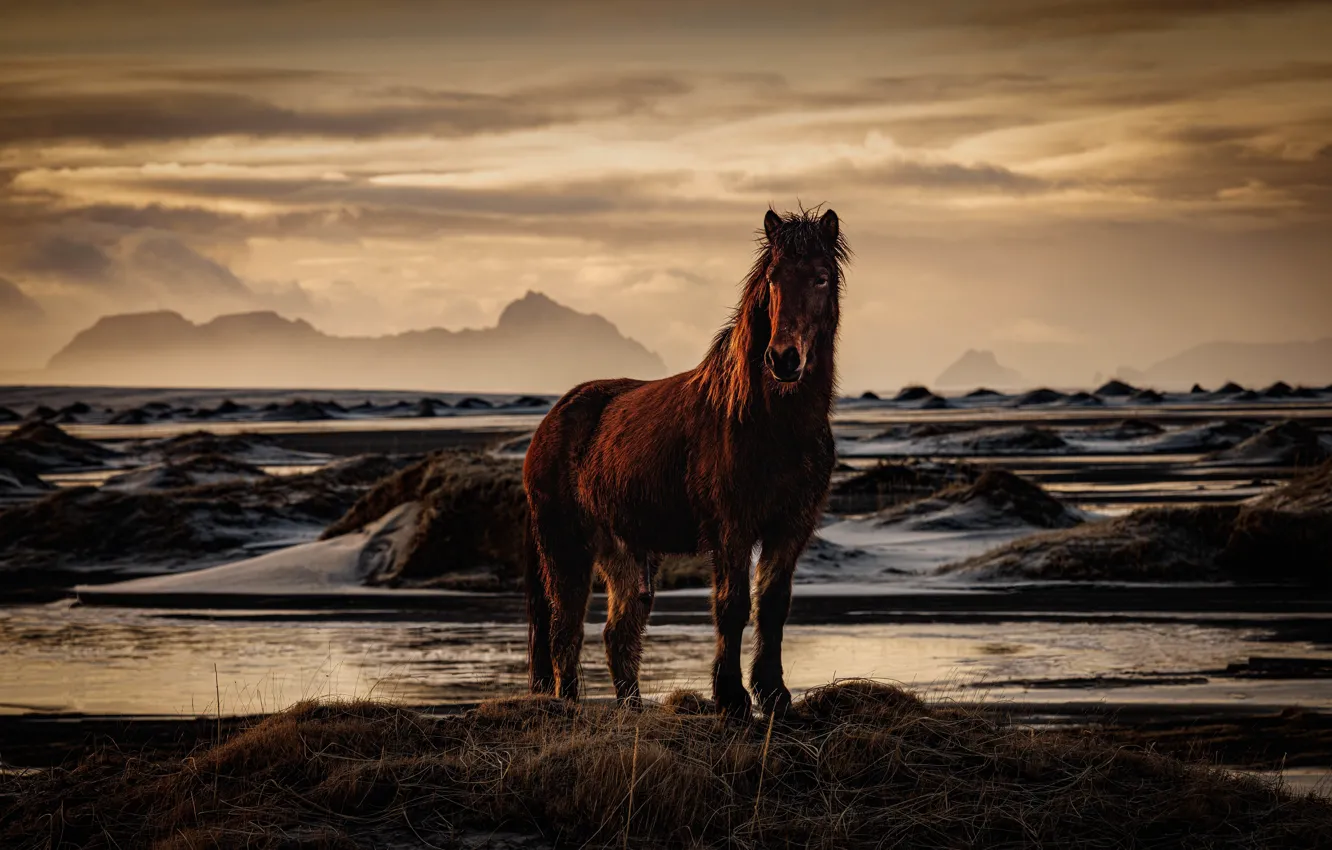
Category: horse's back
[612,454]
[563,436]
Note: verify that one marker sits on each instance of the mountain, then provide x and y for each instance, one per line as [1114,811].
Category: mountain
[1252,364]
[979,369]
[537,345]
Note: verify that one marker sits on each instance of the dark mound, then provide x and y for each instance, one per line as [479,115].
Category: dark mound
[132,416]
[1112,389]
[997,499]
[203,443]
[933,402]
[1280,389]
[42,447]
[226,408]
[1041,396]
[472,403]
[7,415]
[1229,388]
[1132,429]
[1146,397]
[1288,443]
[41,413]
[1024,438]
[528,401]
[191,472]
[1197,389]
[984,392]
[86,526]
[867,395]
[886,484]
[471,527]
[913,393]
[1083,400]
[19,482]
[870,766]
[428,407]
[1247,395]
[1284,536]
[299,410]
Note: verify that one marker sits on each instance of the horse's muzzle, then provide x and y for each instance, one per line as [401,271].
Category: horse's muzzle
[785,365]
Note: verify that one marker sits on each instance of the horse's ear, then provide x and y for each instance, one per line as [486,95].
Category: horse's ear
[829,225]
[771,224]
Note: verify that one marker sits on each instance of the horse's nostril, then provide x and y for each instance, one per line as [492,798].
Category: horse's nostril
[785,364]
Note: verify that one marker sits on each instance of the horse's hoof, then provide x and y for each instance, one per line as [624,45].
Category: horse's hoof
[776,703]
[736,706]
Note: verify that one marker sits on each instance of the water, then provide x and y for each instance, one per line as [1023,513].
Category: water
[57,658]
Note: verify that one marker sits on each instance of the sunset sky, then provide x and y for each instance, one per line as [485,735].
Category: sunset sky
[1074,185]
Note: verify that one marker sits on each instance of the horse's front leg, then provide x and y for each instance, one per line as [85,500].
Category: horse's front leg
[776,567]
[730,614]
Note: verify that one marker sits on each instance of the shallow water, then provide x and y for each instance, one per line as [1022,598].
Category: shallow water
[121,661]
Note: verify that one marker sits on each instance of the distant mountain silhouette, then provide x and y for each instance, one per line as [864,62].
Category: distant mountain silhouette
[979,369]
[537,345]
[1252,364]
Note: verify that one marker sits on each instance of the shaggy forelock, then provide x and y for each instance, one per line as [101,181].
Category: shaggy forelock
[801,235]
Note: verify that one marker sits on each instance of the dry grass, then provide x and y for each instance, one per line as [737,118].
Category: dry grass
[867,765]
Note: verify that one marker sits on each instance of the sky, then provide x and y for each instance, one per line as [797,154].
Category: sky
[1077,186]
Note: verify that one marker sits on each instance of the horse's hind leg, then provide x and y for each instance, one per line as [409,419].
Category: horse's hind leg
[630,593]
[567,569]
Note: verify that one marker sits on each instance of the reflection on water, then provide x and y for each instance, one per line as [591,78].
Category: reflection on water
[59,659]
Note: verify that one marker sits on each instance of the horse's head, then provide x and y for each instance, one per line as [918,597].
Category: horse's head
[804,283]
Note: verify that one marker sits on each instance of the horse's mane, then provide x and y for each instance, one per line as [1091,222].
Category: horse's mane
[727,370]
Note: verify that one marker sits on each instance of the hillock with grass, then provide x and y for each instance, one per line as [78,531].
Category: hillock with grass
[864,765]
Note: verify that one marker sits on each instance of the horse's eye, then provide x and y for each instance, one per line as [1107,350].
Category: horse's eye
[823,281]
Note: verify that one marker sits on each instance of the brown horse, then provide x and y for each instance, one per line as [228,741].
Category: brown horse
[733,454]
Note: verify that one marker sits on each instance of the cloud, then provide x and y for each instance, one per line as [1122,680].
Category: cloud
[16,306]
[32,113]
[69,260]
[177,268]
[900,173]
[1032,19]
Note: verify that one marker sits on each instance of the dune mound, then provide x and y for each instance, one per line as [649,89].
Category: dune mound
[1146,397]
[1040,396]
[7,415]
[1280,389]
[1083,400]
[914,392]
[1024,438]
[470,527]
[984,392]
[16,483]
[1113,388]
[190,472]
[1229,388]
[83,527]
[1288,443]
[891,483]
[871,765]
[246,447]
[1197,389]
[473,403]
[996,499]
[869,395]
[299,410]
[1283,536]
[1130,429]
[40,446]
[528,401]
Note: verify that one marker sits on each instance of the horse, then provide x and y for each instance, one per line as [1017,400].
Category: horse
[734,454]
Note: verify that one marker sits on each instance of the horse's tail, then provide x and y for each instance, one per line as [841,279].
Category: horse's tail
[541,670]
